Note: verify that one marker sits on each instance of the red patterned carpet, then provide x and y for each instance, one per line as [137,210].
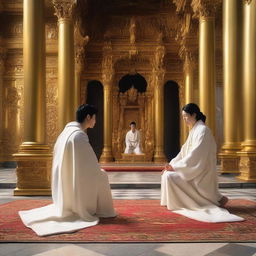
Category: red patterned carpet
[121,168]
[138,221]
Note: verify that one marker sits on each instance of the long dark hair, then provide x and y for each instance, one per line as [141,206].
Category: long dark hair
[192,108]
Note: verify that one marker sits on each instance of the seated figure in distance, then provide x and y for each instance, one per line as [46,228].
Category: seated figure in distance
[132,140]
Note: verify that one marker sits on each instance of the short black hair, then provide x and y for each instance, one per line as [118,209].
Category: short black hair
[192,108]
[84,110]
[133,123]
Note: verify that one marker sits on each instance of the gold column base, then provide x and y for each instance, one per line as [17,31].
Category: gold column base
[33,170]
[106,155]
[32,192]
[247,166]
[159,157]
[229,162]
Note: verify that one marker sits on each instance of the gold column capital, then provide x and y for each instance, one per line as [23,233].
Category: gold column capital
[80,43]
[158,76]
[189,59]
[79,58]
[107,64]
[205,8]
[158,60]
[247,1]
[181,5]
[64,9]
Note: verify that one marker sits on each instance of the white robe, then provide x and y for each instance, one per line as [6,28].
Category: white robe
[132,142]
[192,188]
[80,189]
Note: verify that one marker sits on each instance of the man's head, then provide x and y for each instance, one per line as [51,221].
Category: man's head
[86,115]
[133,126]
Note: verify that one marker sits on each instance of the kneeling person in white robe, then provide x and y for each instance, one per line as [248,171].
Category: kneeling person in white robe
[189,184]
[80,189]
[132,140]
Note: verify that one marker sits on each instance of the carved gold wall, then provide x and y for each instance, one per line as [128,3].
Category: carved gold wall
[132,37]
[13,84]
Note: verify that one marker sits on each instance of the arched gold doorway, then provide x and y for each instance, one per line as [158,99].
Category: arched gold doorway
[132,102]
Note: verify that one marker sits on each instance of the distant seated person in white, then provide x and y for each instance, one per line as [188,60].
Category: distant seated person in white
[80,189]
[189,183]
[132,140]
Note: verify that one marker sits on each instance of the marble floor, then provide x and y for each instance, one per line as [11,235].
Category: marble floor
[130,186]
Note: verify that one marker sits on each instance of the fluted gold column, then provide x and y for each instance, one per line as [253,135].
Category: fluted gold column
[207,69]
[205,11]
[188,69]
[247,165]
[33,158]
[232,87]
[80,42]
[107,155]
[66,72]
[159,155]
[189,79]
[2,66]
[78,69]
[107,79]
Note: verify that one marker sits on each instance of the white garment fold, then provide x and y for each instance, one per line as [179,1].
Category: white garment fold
[192,189]
[80,189]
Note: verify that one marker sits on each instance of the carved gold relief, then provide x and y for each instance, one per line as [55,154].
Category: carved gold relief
[247,1]
[51,31]
[13,102]
[247,167]
[63,8]
[51,108]
[229,163]
[205,8]
[33,175]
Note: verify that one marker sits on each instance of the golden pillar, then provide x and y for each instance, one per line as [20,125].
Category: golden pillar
[232,87]
[107,155]
[66,72]
[189,86]
[207,69]
[80,43]
[158,85]
[247,165]
[78,70]
[159,155]
[205,10]
[107,78]
[33,159]
[189,78]
[184,35]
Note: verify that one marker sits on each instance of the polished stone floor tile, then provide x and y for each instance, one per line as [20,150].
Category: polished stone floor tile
[189,249]
[69,250]
[234,250]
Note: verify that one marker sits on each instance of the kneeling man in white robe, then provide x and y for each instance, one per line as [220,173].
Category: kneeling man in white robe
[132,140]
[189,183]
[80,189]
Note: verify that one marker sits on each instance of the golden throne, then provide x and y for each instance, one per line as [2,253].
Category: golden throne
[132,106]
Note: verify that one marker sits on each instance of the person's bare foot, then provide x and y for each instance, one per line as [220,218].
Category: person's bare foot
[223,201]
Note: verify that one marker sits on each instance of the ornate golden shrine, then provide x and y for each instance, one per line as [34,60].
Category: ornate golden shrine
[133,106]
